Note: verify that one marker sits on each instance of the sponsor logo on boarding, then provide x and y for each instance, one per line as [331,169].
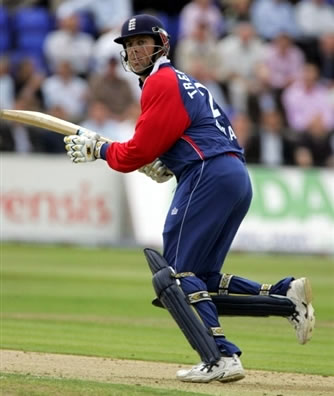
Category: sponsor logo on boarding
[132,24]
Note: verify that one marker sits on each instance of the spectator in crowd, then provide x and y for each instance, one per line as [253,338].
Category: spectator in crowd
[23,138]
[272,144]
[128,125]
[307,98]
[69,44]
[314,17]
[284,61]
[109,88]
[100,119]
[107,14]
[270,17]
[200,46]
[204,10]
[240,53]
[261,96]
[315,146]
[66,91]
[7,91]
[236,11]
[103,50]
[196,54]
[324,57]
[6,138]
[28,80]
[243,127]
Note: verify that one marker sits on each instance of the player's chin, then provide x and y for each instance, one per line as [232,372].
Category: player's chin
[138,67]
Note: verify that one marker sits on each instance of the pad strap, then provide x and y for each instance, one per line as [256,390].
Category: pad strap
[217,331]
[199,296]
[265,289]
[183,275]
[224,283]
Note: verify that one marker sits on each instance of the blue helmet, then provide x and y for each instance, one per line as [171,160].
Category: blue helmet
[148,25]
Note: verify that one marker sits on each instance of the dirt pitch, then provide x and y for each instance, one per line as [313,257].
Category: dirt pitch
[160,375]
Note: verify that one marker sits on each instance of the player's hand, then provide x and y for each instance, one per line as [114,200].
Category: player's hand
[83,148]
[157,171]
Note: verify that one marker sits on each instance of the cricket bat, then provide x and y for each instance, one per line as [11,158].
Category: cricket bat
[48,122]
[45,121]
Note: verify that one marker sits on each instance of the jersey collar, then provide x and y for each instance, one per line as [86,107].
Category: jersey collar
[161,61]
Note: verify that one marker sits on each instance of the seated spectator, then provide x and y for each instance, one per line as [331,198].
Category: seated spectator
[314,17]
[108,14]
[7,92]
[243,128]
[236,11]
[284,61]
[324,57]
[197,55]
[261,96]
[100,120]
[239,55]
[69,44]
[25,139]
[307,98]
[103,50]
[28,80]
[272,144]
[128,125]
[204,10]
[115,92]
[6,138]
[315,146]
[67,91]
[270,17]
[199,47]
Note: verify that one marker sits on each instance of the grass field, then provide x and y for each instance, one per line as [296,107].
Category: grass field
[97,302]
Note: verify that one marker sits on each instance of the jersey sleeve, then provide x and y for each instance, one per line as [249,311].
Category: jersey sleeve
[162,122]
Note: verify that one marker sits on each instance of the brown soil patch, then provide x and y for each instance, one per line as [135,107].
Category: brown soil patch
[160,375]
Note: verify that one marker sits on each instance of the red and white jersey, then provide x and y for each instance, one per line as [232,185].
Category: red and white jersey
[180,123]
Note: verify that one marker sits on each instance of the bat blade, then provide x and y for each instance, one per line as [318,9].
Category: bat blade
[45,121]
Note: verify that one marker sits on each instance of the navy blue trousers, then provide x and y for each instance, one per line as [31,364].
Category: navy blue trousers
[210,202]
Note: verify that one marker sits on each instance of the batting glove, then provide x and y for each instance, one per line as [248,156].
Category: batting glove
[157,171]
[83,148]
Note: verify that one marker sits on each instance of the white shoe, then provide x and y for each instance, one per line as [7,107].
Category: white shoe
[225,370]
[303,320]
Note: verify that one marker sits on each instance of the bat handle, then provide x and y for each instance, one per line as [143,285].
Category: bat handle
[82,130]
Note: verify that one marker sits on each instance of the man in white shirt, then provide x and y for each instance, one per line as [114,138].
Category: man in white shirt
[69,44]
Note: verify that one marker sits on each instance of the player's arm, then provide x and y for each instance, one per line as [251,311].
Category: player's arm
[162,122]
[87,147]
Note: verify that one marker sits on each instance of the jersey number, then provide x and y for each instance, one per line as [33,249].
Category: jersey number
[215,112]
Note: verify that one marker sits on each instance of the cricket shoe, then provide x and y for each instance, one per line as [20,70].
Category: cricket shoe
[303,319]
[227,369]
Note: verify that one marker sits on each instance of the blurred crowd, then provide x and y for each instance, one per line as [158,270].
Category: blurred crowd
[268,63]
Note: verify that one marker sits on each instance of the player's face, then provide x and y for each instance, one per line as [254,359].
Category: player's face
[139,50]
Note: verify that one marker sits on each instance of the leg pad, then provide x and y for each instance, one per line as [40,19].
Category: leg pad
[228,305]
[171,296]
